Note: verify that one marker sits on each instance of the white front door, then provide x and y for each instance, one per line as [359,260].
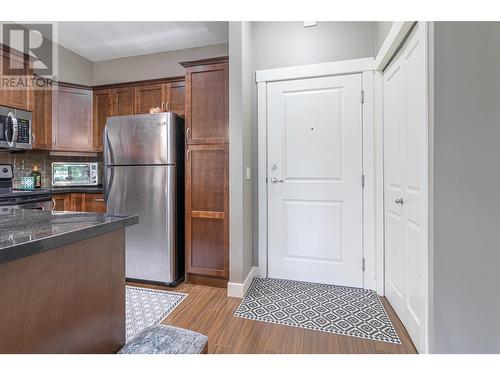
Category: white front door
[314,180]
[405,180]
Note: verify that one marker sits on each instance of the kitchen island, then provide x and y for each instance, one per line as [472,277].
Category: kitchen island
[62,281]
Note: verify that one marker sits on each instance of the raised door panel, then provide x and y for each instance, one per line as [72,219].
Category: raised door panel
[123,101]
[77,202]
[23,98]
[149,96]
[94,203]
[72,128]
[4,100]
[42,119]
[207,115]
[177,93]
[61,202]
[102,110]
[207,207]
[395,250]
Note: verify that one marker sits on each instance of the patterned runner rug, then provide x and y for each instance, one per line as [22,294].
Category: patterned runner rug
[145,307]
[328,308]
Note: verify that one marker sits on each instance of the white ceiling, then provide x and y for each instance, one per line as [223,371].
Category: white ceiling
[99,41]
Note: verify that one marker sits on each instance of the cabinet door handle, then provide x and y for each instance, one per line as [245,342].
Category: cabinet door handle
[399,201]
[99,199]
[187,154]
[53,203]
[187,134]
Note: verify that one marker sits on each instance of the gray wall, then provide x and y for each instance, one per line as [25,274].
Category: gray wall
[465,304]
[240,150]
[381,30]
[74,68]
[280,44]
[156,65]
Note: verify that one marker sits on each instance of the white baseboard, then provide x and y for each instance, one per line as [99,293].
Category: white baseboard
[238,290]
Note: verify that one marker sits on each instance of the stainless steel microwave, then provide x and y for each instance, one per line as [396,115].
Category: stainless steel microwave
[15,129]
[76,174]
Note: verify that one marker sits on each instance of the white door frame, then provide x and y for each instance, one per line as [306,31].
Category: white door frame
[373,275]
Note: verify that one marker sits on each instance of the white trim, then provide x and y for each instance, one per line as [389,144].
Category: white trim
[370,275]
[371,278]
[262,176]
[238,290]
[378,130]
[429,340]
[315,70]
[393,40]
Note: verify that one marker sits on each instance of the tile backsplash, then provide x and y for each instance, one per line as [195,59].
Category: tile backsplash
[23,163]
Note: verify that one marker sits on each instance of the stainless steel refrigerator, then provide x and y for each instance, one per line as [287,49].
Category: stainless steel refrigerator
[144,175]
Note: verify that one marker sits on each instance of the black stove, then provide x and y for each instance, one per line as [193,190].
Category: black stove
[17,198]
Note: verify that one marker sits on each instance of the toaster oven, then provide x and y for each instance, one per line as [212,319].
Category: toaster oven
[76,174]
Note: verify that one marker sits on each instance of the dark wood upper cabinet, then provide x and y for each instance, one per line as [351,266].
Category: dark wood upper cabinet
[72,127]
[176,97]
[42,119]
[207,114]
[20,99]
[102,110]
[123,101]
[149,96]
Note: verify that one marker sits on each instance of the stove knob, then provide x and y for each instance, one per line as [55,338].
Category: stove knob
[5,170]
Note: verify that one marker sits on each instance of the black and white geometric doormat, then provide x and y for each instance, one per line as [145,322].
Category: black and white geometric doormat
[145,307]
[328,308]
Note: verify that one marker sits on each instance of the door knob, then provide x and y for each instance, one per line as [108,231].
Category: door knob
[274,180]
[399,201]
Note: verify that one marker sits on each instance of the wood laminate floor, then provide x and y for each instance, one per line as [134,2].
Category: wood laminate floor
[208,310]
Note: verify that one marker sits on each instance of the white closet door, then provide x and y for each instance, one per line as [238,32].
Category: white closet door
[314,188]
[405,180]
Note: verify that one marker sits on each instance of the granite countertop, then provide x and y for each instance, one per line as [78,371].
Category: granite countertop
[28,232]
[75,189]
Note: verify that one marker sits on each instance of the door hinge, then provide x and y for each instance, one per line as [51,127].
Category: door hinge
[363,264]
[362,180]
[362,96]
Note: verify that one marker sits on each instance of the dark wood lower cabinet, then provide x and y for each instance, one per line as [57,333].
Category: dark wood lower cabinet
[79,202]
[94,203]
[207,208]
[62,202]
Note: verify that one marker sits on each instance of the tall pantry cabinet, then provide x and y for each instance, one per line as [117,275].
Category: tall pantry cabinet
[207,171]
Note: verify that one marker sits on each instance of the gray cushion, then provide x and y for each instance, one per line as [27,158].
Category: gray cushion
[162,339]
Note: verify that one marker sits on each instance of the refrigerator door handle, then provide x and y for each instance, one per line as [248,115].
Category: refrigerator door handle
[108,183]
[108,150]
